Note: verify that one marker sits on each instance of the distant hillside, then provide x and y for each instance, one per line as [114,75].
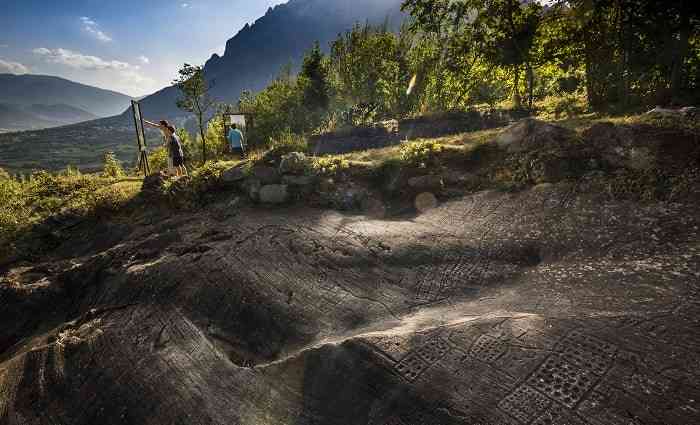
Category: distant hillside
[66,114]
[15,118]
[35,117]
[82,145]
[255,55]
[27,90]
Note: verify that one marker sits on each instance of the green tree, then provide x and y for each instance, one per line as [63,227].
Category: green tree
[278,109]
[112,166]
[314,85]
[195,98]
[370,71]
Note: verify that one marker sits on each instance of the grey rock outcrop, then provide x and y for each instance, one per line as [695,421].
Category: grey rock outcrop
[274,194]
[531,134]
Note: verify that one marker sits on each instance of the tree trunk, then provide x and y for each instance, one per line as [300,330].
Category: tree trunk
[204,140]
[679,54]
[530,84]
[517,101]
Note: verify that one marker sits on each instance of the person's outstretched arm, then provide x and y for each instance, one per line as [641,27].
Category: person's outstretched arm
[152,124]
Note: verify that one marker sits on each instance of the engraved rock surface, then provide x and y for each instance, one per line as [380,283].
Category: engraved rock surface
[541,306]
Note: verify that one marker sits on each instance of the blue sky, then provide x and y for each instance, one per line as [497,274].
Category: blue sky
[131,46]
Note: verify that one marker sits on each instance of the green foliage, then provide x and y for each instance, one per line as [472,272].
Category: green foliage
[158,159]
[557,107]
[370,73]
[13,207]
[278,109]
[314,85]
[331,165]
[421,154]
[195,98]
[217,142]
[25,203]
[190,147]
[192,191]
[288,142]
[112,167]
[4,174]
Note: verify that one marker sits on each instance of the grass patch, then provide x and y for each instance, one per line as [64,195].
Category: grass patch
[26,203]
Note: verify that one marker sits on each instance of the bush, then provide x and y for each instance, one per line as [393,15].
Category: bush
[288,142]
[158,159]
[331,166]
[112,166]
[421,154]
[562,106]
[13,209]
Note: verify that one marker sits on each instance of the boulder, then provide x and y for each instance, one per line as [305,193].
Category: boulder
[294,163]
[303,185]
[252,188]
[274,194]
[621,146]
[429,183]
[425,201]
[154,184]
[531,134]
[299,180]
[266,174]
[233,175]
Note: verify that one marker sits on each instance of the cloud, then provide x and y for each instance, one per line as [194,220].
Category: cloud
[185,5]
[92,28]
[144,60]
[12,68]
[117,74]
[79,60]
[4,46]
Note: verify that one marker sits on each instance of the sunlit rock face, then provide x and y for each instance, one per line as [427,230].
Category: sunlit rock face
[547,305]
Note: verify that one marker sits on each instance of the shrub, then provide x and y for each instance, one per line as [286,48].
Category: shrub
[112,166]
[288,142]
[421,154]
[71,171]
[158,159]
[13,209]
[330,166]
[562,106]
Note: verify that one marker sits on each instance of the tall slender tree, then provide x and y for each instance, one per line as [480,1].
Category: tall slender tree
[195,99]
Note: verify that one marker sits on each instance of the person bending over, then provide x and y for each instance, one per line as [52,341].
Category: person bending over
[176,156]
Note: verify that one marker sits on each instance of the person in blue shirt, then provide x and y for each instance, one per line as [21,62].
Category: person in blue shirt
[236,141]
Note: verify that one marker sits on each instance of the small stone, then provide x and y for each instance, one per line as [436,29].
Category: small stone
[274,194]
[326,185]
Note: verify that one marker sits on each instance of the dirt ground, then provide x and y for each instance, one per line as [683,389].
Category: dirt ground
[546,306]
